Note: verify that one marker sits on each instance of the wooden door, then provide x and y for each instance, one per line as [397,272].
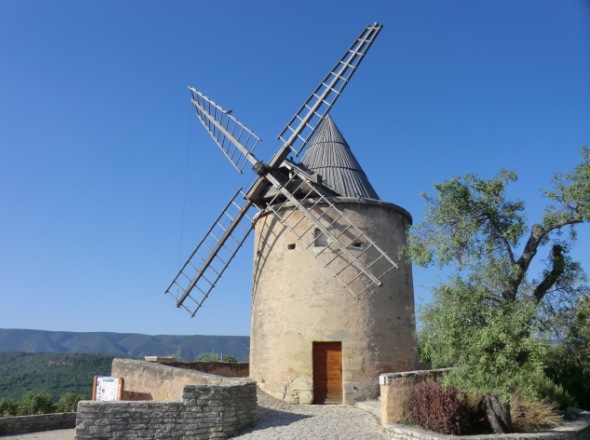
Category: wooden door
[327,372]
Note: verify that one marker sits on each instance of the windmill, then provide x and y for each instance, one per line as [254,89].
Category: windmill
[278,181]
[289,201]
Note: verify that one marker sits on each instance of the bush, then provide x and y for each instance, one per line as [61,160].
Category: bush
[68,402]
[568,373]
[438,409]
[8,407]
[32,404]
[549,390]
[216,357]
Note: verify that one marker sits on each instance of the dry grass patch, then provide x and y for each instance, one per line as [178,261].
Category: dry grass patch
[531,416]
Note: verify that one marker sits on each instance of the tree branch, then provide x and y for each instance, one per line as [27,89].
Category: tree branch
[557,269]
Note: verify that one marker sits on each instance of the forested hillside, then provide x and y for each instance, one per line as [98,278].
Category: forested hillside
[53,373]
[122,344]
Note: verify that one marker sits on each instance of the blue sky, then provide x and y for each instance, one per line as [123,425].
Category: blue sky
[107,179]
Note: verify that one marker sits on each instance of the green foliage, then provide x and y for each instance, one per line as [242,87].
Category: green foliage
[52,373]
[40,403]
[208,357]
[569,364]
[32,404]
[549,390]
[577,335]
[488,346]
[68,402]
[565,371]
[216,357]
[570,196]
[491,319]
[8,407]
[468,218]
[228,358]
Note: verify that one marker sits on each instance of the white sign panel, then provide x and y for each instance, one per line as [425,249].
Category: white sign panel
[108,388]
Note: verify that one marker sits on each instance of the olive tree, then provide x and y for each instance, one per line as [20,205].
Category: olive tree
[489,318]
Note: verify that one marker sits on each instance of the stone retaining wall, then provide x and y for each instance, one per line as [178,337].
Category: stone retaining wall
[578,429]
[44,422]
[155,381]
[205,412]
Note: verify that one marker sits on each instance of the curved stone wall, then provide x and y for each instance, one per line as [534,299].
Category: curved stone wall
[297,302]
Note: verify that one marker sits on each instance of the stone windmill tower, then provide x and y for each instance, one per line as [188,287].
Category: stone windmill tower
[331,308]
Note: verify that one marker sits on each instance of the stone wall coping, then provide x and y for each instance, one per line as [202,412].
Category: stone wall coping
[135,363]
[385,379]
[577,429]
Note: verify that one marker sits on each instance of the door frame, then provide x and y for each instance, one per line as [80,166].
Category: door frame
[320,348]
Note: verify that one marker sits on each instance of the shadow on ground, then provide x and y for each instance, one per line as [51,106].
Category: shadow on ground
[272,418]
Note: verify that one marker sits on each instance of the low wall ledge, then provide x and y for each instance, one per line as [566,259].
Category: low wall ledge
[385,379]
[578,429]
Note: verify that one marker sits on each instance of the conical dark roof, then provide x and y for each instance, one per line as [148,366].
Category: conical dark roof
[330,156]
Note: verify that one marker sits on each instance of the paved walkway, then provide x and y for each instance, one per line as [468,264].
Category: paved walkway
[278,420]
[58,434]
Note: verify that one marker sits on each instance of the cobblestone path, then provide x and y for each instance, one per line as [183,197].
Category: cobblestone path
[278,420]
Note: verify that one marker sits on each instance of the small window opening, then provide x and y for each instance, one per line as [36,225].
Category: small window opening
[357,244]
[319,239]
[291,246]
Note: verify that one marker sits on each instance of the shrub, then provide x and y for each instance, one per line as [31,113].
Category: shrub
[533,415]
[555,393]
[32,404]
[68,402]
[438,409]
[571,375]
[8,407]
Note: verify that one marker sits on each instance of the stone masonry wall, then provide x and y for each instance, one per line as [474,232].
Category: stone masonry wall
[205,412]
[154,381]
[44,422]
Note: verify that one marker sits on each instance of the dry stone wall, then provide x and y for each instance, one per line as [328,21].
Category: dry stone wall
[205,412]
[44,422]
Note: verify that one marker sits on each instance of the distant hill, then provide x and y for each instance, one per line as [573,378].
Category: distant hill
[130,345]
[52,373]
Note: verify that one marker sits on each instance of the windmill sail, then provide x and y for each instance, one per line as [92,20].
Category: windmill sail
[234,139]
[200,274]
[203,269]
[301,127]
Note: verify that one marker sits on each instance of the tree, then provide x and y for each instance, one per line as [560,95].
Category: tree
[36,403]
[68,402]
[489,318]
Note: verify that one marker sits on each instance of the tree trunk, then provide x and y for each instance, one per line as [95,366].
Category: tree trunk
[498,414]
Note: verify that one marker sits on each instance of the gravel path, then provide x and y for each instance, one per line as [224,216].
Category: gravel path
[278,420]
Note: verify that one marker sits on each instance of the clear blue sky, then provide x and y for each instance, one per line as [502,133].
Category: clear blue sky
[107,179]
